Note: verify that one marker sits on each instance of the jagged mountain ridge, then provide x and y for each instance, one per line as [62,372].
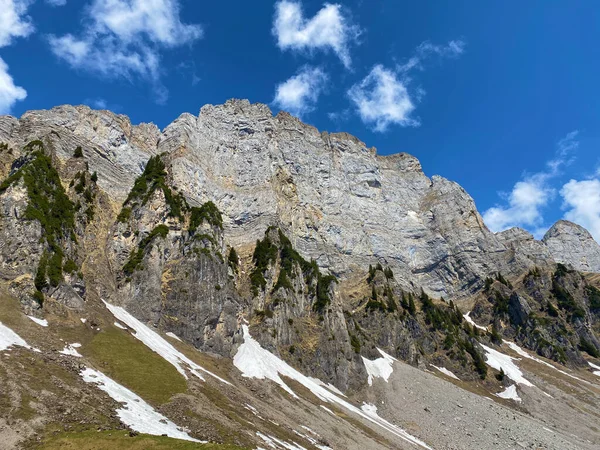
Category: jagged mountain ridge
[158,246]
[339,201]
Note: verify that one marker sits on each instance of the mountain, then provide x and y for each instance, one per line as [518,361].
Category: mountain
[245,279]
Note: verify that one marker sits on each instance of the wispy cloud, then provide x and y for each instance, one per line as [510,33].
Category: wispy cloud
[124,38]
[330,29]
[426,50]
[56,2]
[385,96]
[14,23]
[529,196]
[382,99]
[299,94]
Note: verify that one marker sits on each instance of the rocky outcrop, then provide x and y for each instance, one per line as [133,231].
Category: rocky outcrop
[522,243]
[573,245]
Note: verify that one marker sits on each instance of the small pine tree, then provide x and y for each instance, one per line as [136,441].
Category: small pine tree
[500,376]
[94,177]
[78,152]
[374,293]
[412,309]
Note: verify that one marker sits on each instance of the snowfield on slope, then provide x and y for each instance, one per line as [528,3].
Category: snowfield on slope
[524,354]
[380,367]
[446,372]
[256,362]
[136,414]
[40,322]
[510,393]
[467,317]
[498,361]
[8,338]
[160,345]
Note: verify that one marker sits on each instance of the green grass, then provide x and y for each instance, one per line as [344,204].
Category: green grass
[120,439]
[129,362]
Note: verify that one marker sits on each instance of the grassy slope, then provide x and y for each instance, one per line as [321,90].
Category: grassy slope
[129,362]
[109,440]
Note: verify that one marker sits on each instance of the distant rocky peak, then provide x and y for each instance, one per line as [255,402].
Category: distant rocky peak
[572,244]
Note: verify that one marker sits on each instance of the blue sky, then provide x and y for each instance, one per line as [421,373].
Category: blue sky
[502,97]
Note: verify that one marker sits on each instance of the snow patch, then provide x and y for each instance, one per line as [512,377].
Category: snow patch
[159,345]
[510,393]
[499,361]
[467,317]
[173,335]
[273,442]
[70,350]
[118,325]
[136,413]
[255,362]
[328,410]
[380,367]
[8,338]
[594,366]
[41,322]
[524,354]
[446,372]
[83,320]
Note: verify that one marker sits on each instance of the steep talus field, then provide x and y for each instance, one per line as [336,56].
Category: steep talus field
[242,280]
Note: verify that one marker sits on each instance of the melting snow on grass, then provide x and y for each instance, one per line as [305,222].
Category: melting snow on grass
[524,354]
[467,317]
[445,372]
[594,366]
[380,367]
[118,325]
[8,338]
[273,442]
[499,361]
[70,350]
[255,362]
[159,345]
[510,393]
[41,322]
[173,335]
[136,414]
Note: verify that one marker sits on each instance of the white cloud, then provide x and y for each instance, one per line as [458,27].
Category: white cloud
[382,99]
[9,93]
[14,22]
[582,199]
[298,95]
[123,38]
[426,50]
[329,29]
[530,195]
[525,203]
[56,2]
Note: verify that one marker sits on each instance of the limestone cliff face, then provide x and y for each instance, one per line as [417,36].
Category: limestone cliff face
[572,244]
[340,202]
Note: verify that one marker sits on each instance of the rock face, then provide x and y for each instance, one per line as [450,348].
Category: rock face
[325,249]
[339,202]
[572,244]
